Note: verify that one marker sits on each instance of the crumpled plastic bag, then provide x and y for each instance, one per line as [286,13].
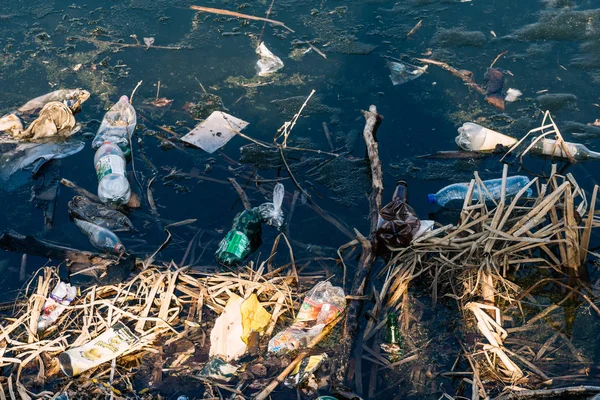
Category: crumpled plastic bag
[398,224]
[73,98]
[55,119]
[268,63]
[270,213]
[401,73]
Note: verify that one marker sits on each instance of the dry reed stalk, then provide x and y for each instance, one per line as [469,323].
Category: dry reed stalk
[239,15]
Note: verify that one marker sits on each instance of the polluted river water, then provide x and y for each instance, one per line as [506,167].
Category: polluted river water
[191,63]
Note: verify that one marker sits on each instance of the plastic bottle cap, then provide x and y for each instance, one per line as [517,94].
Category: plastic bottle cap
[431,198]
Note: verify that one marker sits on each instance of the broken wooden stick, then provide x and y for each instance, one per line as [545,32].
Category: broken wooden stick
[239,15]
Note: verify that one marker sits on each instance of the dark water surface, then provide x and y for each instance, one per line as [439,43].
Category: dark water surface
[560,54]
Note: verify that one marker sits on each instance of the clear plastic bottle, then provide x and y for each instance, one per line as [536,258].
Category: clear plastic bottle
[579,152]
[473,137]
[113,185]
[117,126]
[101,238]
[458,191]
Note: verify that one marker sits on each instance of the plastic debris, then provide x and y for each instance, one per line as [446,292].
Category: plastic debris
[82,208]
[304,370]
[62,295]
[73,98]
[117,126]
[254,317]
[512,95]
[401,73]
[30,157]
[271,213]
[322,304]
[55,119]
[110,164]
[101,238]
[214,132]
[393,339]
[474,137]
[398,222]
[111,344]
[218,369]
[268,63]
[550,148]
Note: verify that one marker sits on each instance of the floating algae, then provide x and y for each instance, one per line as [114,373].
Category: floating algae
[347,179]
[288,107]
[563,25]
[458,37]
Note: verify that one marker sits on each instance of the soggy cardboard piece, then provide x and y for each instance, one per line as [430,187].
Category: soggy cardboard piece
[215,131]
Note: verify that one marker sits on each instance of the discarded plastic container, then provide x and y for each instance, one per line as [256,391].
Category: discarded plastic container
[458,191]
[270,213]
[245,234]
[83,208]
[62,295]
[113,186]
[100,237]
[243,238]
[117,126]
[398,222]
[473,137]
[393,339]
[304,370]
[111,344]
[322,304]
[550,148]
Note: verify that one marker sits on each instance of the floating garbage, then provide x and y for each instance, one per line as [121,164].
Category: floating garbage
[398,222]
[246,231]
[101,238]
[268,63]
[117,126]
[551,148]
[403,72]
[322,304]
[458,191]
[304,370]
[81,207]
[474,137]
[62,295]
[111,344]
[218,369]
[29,158]
[113,185]
[494,81]
[55,119]
[512,95]
[214,132]
[393,339]
[72,98]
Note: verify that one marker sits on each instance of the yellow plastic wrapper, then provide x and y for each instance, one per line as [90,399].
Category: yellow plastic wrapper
[254,317]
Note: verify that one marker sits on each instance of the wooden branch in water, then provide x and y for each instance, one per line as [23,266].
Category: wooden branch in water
[239,15]
[79,190]
[552,393]
[241,193]
[367,258]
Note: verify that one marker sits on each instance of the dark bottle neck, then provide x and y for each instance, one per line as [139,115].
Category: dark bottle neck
[401,191]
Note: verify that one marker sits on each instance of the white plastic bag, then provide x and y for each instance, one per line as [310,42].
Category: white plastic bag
[271,213]
[268,63]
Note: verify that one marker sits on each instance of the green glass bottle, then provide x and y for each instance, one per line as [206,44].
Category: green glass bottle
[243,238]
[393,339]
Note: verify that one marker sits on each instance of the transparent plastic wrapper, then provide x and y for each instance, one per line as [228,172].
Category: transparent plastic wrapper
[322,304]
[117,126]
[473,137]
[304,370]
[111,344]
[403,72]
[512,95]
[62,295]
[268,63]
[73,98]
[215,131]
[271,213]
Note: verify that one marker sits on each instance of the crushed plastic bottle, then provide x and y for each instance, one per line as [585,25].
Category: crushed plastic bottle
[271,213]
[451,194]
[101,238]
[117,126]
[113,186]
[62,295]
[398,222]
[549,147]
[322,304]
[474,137]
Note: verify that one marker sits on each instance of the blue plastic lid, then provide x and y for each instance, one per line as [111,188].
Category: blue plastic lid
[431,198]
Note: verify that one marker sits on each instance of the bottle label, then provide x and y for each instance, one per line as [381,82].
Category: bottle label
[110,164]
[235,243]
